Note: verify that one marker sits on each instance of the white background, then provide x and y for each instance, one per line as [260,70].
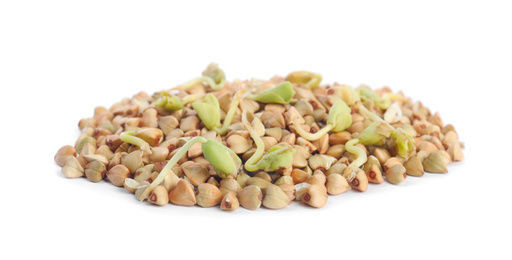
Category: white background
[60,59]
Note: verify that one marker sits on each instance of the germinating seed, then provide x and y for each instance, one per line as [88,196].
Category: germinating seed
[214,143]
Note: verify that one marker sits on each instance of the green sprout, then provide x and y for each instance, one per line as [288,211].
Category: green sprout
[309,79]
[404,143]
[383,102]
[209,112]
[280,94]
[368,94]
[338,120]
[250,164]
[276,158]
[375,134]
[224,161]
[350,146]
[213,76]
[169,102]
[129,137]
[372,116]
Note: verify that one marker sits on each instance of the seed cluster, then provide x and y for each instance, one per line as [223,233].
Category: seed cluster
[249,143]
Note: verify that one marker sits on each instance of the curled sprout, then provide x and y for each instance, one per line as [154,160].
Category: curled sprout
[375,134]
[338,120]
[280,94]
[250,164]
[350,171]
[276,158]
[169,102]
[224,161]
[209,112]
[213,76]
[309,79]
[129,137]
[214,72]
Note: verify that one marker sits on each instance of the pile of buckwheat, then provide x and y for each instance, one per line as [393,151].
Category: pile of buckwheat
[249,143]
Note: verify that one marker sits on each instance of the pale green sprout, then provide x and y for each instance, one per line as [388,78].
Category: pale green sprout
[338,120]
[129,137]
[365,112]
[350,171]
[404,142]
[209,112]
[169,102]
[280,94]
[339,116]
[368,94]
[231,112]
[214,72]
[309,79]
[375,134]
[213,76]
[276,158]
[224,161]
[383,102]
[250,164]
